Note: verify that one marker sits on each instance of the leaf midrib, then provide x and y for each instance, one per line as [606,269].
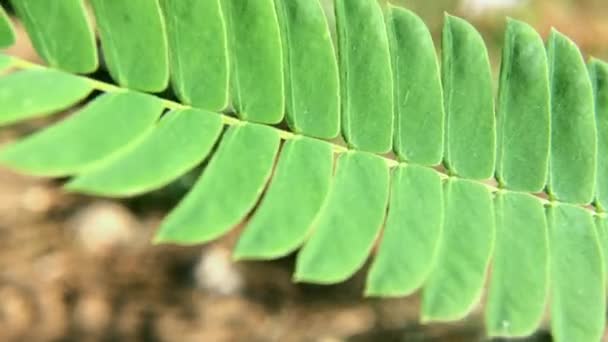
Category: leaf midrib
[23,64]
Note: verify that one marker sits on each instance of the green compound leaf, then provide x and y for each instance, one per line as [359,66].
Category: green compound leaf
[455,284]
[181,140]
[599,76]
[257,60]
[520,272]
[35,93]
[272,54]
[419,112]
[577,275]
[312,79]
[467,81]
[198,52]
[298,190]
[103,127]
[61,33]
[349,222]
[412,233]
[366,76]
[228,188]
[572,167]
[134,43]
[7,33]
[523,111]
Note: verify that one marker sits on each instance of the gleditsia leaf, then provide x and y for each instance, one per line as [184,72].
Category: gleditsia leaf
[577,259]
[7,33]
[294,197]
[61,33]
[456,282]
[256,60]
[102,128]
[419,112]
[133,39]
[228,188]
[411,235]
[311,77]
[198,52]
[598,71]
[180,141]
[349,221]
[34,93]
[365,74]
[572,164]
[523,110]
[470,128]
[520,271]
[578,293]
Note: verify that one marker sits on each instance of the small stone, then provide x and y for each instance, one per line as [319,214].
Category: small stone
[51,268]
[93,313]
[37,199]
[54,313]
[352,321]
[482,6]
[216,272]
[17,312]
[103,226]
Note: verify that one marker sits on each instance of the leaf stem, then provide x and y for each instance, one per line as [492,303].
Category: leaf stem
[284,134]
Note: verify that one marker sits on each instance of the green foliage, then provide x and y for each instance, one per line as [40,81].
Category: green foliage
[365,75]
[418,96]
[5,62]
[35,93]
[520,272]
[141,63]
[7,35]
[455,284]
[523,111]
[257,60]
[311,77]
[572,165]
[230,187]
[599,77]
[298,189]
[578,304]
[602,232]
[196,31]
[469,103]
[349,221]
[45,21]
[79,142]
[274,61]
[184,137]
[411,234]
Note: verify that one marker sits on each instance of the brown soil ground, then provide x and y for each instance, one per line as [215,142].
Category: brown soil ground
[80,269]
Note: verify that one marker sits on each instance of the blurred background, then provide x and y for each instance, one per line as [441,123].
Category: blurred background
[75,268]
